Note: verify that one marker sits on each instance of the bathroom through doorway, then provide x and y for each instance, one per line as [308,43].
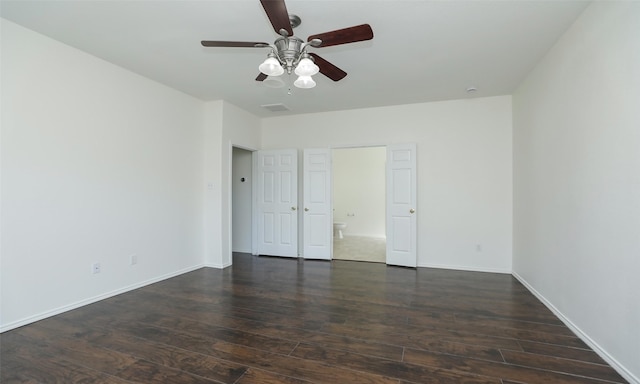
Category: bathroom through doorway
[359,198]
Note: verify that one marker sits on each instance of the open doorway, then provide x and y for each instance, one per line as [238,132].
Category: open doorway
[241,197]
[359,182]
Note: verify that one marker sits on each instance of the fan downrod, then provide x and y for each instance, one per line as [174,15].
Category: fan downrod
[295,20]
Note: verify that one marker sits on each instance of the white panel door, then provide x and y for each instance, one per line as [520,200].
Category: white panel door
[401,205]
[317,218]
[277,202]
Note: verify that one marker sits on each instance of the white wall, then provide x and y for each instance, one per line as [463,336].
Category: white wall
[241,197]
[241,129]
[97,164]
[464,169]
[212,182]
[225,126]
[577,180]
[359,182]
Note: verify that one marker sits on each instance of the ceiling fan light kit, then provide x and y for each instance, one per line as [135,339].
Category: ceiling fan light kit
[306,67]
[289,53]
[304,82]
[271,66]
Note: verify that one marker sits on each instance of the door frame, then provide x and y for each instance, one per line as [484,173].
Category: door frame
[356,146]
[229,200]
[254,239]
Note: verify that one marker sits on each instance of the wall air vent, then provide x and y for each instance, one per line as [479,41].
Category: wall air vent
[276,107]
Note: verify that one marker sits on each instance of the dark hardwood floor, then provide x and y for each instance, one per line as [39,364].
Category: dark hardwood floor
[271,320]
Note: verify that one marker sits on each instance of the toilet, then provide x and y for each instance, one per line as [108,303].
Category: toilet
[338,227]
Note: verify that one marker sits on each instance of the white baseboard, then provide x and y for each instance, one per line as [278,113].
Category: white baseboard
[217,266]
[630,377]
[463,268]
[94,299]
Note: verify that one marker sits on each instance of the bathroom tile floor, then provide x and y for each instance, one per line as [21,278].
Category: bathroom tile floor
[360,248]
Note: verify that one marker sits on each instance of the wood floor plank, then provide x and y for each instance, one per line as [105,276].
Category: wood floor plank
[271,330]
[581,354]
[25,362]
[471,320]
[293,321]
[265,360]
[401,370]
[51,371]
[288,333]
[346,343]
[129,344]
[151,373]
[579,368]
[256,376]
[421,338]
[77,351]
[492,369]
[173,357]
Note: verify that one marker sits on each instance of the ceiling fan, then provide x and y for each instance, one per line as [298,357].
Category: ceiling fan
[289,53]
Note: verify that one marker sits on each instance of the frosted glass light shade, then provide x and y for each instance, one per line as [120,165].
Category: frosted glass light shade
[306,67]
[304,82]
[271,67]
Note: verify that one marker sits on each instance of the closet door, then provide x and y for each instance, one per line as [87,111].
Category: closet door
[317,217]
[277,202]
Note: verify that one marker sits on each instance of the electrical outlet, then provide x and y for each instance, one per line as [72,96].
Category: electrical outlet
[133,259]
[96,268]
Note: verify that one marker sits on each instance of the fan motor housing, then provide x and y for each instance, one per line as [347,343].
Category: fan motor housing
[289,50]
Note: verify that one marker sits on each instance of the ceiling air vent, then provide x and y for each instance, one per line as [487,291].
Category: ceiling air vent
[276,107]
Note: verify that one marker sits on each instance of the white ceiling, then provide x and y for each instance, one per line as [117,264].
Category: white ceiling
[421,51]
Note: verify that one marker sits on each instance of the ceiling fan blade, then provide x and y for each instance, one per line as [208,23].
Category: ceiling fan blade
[239,44]
[328,69]
[276,11]
[261,77]
[344,36]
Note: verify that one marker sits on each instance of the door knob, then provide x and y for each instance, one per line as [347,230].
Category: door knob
[306,209]
[293,208]
[412,210]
